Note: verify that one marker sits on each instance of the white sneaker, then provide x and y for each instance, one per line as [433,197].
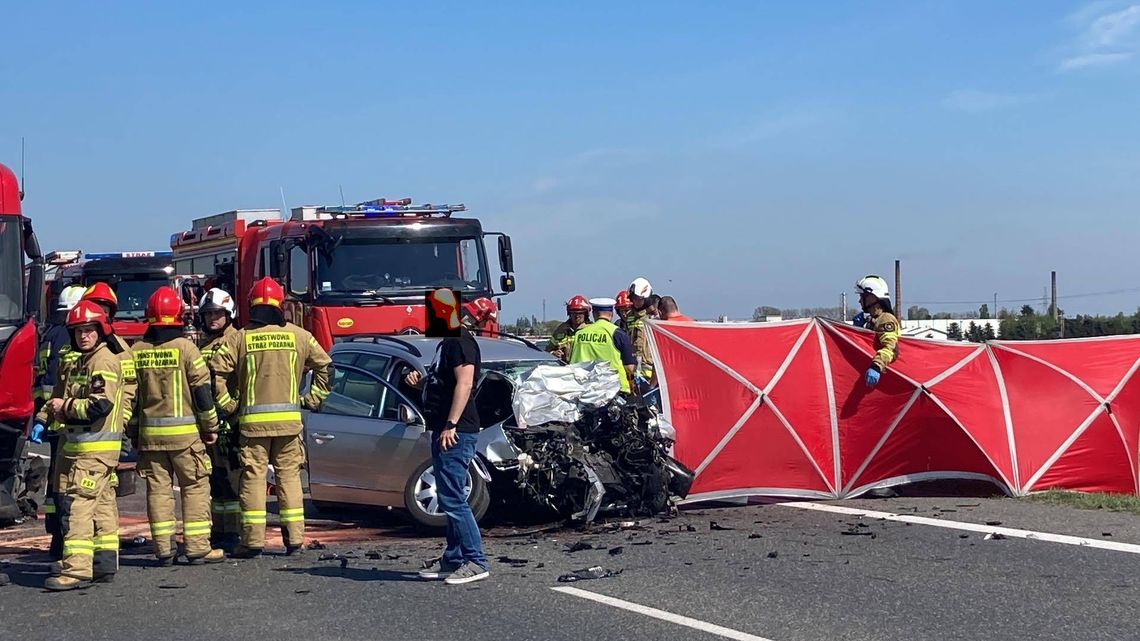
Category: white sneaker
[467,573]
[438,570]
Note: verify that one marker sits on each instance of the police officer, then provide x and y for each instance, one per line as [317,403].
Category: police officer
[102,295]
[176,420]
[640,292]
[269,357]
[877,316]
[603,341]
[54,356]
[87,403]
[216,314]
[562,341]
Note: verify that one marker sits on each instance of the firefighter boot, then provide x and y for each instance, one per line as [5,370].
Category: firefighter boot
[213,556]
[65,583]
[243,552]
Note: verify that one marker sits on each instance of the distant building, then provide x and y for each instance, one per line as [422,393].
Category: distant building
[939,328]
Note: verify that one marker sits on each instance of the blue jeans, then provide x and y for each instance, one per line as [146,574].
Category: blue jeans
[464,544]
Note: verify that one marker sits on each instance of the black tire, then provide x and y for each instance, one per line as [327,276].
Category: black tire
[479,500]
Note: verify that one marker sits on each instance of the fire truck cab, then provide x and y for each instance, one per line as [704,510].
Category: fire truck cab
[351,270]
[20,292]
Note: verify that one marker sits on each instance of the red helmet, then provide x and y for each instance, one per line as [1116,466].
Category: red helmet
[102,294]
[623,301]
[578,304]
[88,312]
[266,292]
[445,306]
[484,309]
[164,309]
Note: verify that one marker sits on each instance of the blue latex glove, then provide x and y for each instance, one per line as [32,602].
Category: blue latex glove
[37,433]
[872,377]
[860,320]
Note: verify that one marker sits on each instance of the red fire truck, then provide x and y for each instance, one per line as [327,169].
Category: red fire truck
[133,275]
[19,306]
[351,270]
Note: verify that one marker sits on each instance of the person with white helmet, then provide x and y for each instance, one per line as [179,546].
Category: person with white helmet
[879,317]
[216,318]
[640,296]
[54,356]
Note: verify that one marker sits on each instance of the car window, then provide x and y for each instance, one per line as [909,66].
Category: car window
[343,358]
[400,369]
[514,369]
[374,363]
[354,393]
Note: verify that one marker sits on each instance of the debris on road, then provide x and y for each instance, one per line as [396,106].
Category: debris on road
[588,574]
[717,527]
[517,563]
[993,522]
[755,536]
[773,554]
[317,545]
[994,536]
[173,586]
[616,551]
[578,547]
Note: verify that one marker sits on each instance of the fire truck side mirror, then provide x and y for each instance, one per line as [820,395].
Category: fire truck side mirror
[506,256]
[507,284]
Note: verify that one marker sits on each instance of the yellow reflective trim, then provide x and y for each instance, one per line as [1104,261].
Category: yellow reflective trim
[107,542]
[251,378]
[224,399]
[291,510]
[293,377]
[269,417]
[162,528]
[198,363]
[159,431]
[49,508]
[79,406]
[108,376]
[87,448]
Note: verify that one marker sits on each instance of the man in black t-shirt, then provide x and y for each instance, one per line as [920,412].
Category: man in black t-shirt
[449,409]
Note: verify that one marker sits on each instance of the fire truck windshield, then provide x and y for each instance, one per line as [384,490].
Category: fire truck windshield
[133,293]
[393,267]
[11,271]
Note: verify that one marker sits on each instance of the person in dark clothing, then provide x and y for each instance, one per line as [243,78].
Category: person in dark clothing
[449,409]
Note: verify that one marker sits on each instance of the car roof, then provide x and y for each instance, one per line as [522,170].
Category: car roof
[490,349]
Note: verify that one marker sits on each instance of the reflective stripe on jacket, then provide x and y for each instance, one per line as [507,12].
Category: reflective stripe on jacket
[92,416]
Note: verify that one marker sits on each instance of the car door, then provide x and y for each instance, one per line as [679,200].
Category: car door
[357,440]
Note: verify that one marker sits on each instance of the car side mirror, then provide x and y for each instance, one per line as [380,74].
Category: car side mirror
[409,416]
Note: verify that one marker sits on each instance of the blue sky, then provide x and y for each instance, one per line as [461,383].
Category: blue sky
[735,153]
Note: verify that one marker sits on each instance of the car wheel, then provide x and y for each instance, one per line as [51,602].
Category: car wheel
[422,503]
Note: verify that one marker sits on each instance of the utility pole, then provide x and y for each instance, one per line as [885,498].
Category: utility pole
[898,288]
[1056,312]
[544,310]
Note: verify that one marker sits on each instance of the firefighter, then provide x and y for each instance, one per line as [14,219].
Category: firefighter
[561,343]
[216,315]
[879,317]
[102,295]
[604,341]
[86,401]
[269,357]
[55,355]
[640,292]
[176,420]
[623,307]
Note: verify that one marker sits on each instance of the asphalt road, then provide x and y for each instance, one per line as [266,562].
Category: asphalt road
[776,572]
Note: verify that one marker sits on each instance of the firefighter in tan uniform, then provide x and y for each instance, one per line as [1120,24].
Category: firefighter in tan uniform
[102,295]
[879,317]
[86,403]
[269,357]
[176,420]
[216,315]
[561,343]
[639,292]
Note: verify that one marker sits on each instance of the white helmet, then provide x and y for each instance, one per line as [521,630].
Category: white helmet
[874,285]
[217,299]
[69,297]
[640,288]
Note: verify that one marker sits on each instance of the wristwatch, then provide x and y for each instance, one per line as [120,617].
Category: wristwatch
[449,425]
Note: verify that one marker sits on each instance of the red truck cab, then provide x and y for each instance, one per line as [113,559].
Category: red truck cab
[21,287]
[351,270]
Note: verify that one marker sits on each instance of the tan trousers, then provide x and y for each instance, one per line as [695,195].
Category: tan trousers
[190,468]
[287,455]
[225,481]
[89,517]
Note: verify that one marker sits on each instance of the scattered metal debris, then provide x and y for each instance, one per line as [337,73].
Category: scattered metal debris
[317,545]
[773,554]
[518,563]
[717,527]
[755,536]
[994,536]
[588,574]
[616,551]
[578,547]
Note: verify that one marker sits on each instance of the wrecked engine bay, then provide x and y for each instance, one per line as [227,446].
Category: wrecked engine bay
[611,458]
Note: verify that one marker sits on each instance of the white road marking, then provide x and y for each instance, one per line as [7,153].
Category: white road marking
[677,619]
[1032,535]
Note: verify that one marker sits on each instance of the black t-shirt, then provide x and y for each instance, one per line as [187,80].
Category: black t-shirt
[440,384]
